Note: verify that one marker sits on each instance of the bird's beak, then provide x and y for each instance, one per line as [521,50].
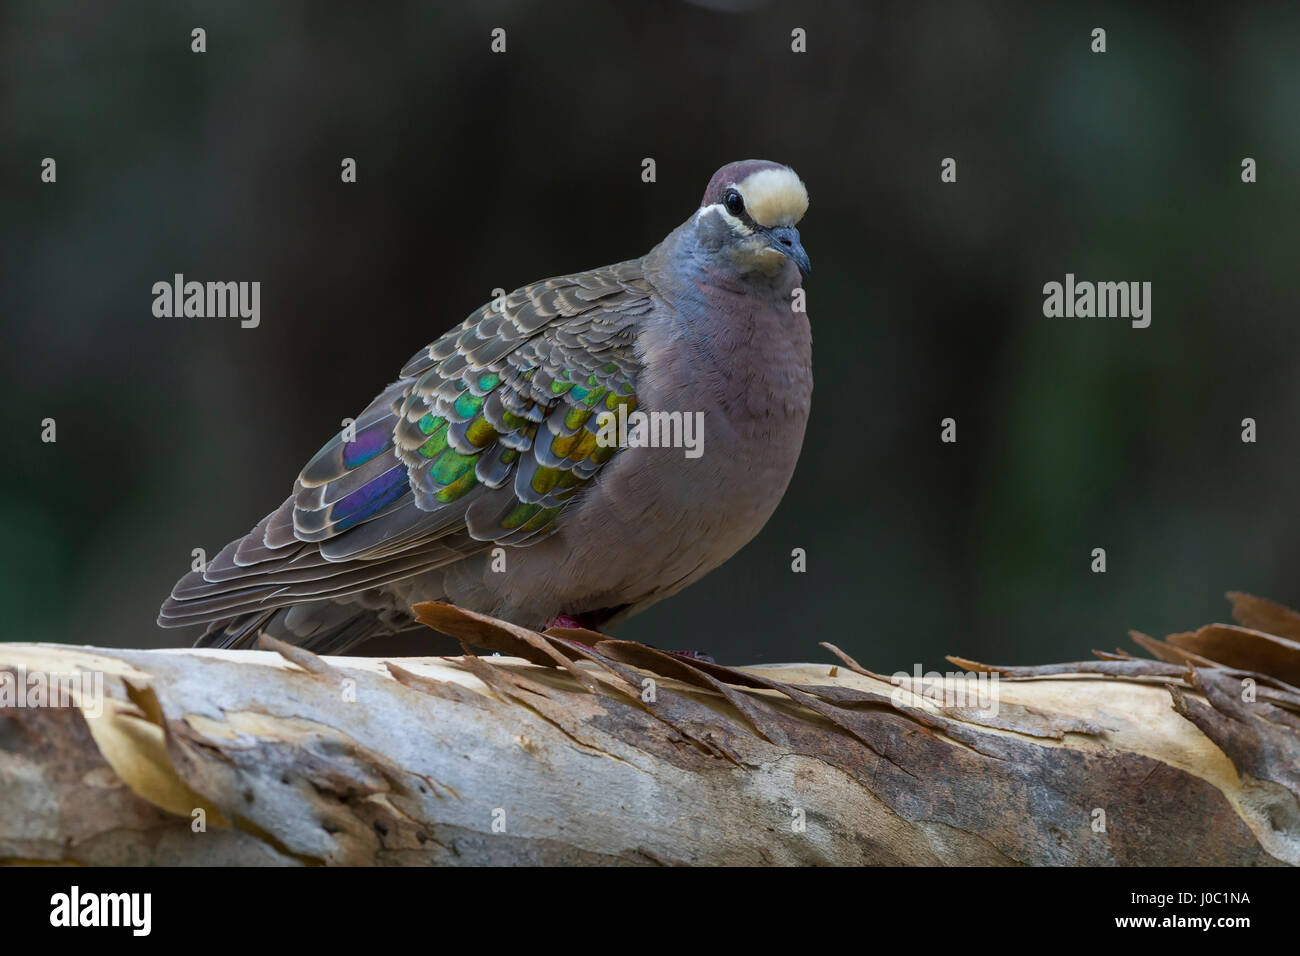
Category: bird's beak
[785,240]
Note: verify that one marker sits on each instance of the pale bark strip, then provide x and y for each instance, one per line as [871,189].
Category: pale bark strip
[294,759]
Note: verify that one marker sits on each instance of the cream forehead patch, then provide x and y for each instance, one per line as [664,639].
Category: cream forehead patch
[774,197]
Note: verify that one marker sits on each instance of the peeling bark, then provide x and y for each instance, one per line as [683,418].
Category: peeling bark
[577,749]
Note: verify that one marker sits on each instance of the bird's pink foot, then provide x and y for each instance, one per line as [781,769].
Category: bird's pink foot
[565,620]
[568,620]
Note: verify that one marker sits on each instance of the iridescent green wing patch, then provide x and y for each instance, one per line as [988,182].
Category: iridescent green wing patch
[506,406]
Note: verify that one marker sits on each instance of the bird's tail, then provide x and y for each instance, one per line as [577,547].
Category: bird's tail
[322,627]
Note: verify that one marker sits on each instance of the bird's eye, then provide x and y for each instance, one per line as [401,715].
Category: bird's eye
[734,202]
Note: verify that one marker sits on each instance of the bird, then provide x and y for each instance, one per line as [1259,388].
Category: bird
[485,475]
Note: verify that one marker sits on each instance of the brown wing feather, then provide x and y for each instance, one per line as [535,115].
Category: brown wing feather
[486,437]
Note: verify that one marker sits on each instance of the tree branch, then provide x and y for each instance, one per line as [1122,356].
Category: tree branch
[578,749]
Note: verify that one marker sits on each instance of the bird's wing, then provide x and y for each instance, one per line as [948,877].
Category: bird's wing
[486,437]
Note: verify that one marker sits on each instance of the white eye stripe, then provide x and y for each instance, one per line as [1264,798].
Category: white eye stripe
[737,225]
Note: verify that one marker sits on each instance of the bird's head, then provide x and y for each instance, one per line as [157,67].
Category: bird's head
[748,216]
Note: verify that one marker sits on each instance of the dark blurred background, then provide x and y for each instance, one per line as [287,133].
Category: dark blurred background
[479,170]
